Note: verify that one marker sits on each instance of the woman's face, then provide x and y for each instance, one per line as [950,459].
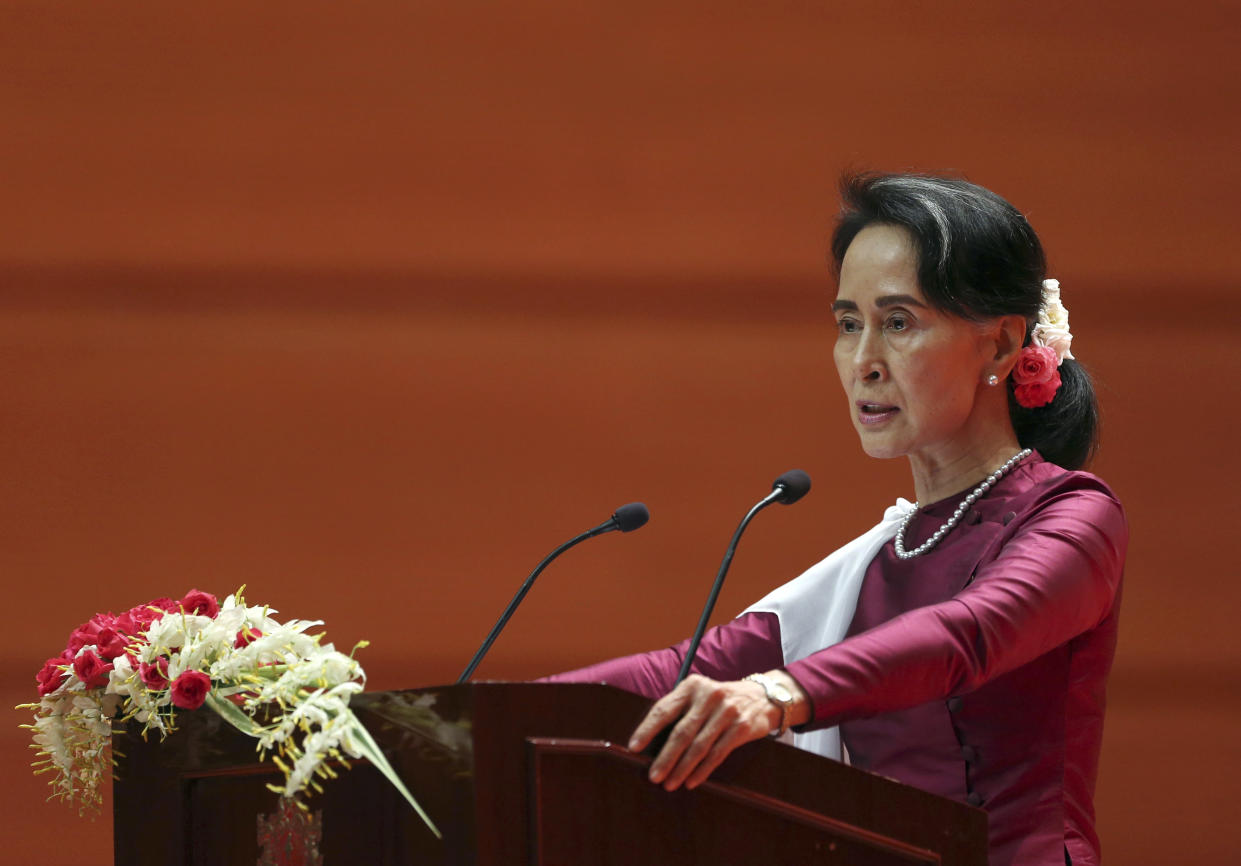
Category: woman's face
[912,374]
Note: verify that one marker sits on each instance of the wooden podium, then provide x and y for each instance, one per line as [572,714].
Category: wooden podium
[521,773]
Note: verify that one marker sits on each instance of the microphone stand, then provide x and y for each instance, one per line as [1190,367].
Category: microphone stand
[774,496]
[626,518]
[521,593]
[787,489]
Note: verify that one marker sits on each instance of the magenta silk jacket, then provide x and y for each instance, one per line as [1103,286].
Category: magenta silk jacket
[975,671]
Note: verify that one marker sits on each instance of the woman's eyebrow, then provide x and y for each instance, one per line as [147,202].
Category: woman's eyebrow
[881,302]
[893,300]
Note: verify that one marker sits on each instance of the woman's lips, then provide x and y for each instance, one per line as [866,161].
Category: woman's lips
[875,413]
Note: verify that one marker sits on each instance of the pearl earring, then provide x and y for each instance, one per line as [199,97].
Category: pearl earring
[993,380]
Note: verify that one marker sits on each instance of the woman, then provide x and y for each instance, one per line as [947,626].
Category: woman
[963,644]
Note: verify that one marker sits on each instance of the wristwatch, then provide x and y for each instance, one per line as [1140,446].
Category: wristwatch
[779,695]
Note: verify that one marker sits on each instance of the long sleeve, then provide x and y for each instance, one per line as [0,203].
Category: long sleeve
[1054,578]
[742,646]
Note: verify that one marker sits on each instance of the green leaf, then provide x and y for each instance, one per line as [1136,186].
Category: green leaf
[371,751]
[232,714]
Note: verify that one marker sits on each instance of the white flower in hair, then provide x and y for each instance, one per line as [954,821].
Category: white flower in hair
[1052,311]
[1052,329]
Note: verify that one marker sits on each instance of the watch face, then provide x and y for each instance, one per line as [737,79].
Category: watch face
[781,693]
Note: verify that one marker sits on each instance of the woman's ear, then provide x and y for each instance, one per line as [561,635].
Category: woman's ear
[1009,333]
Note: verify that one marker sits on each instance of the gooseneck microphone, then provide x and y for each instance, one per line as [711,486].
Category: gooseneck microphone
[787,489]
[627,518]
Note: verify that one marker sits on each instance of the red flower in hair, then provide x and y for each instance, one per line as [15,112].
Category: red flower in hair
[1035,378]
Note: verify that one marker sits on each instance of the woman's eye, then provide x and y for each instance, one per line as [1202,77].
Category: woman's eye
[897,323]
[848,326]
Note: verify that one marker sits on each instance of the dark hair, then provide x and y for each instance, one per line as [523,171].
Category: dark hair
[978,258]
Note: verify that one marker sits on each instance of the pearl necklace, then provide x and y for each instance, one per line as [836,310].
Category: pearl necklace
[975,494]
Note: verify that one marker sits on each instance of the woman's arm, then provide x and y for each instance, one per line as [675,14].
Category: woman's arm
[748,644]
[1055,579]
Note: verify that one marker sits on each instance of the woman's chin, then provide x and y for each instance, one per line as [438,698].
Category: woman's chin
[880,448]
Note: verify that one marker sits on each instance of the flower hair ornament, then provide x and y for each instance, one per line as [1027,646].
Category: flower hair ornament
[1036,378]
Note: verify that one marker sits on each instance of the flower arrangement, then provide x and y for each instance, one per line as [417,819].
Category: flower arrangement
[274,682]
[1036,378]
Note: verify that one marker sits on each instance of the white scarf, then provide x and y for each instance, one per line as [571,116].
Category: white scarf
[816,608]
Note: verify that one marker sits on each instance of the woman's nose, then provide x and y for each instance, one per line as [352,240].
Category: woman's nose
[868,361]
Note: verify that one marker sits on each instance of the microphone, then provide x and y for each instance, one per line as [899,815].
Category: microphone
[787,489]
[627,518]
[791,486]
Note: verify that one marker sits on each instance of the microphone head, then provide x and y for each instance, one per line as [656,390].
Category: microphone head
[793,485]
[630,517]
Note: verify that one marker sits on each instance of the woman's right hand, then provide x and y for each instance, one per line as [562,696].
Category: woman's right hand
[712,719]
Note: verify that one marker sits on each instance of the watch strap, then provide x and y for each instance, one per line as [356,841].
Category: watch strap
[771,688]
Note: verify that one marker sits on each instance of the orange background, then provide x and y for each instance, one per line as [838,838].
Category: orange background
[368,306]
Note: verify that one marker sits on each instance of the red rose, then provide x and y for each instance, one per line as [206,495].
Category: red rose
[102,620]
[128,625]
[111,643]
[1036,377]
[190,689]
[83,635]
[154,676]
[137,619]
[91,669]
[1034,396]
[202,603]
[246,636]
[1035,365]
[51,676]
